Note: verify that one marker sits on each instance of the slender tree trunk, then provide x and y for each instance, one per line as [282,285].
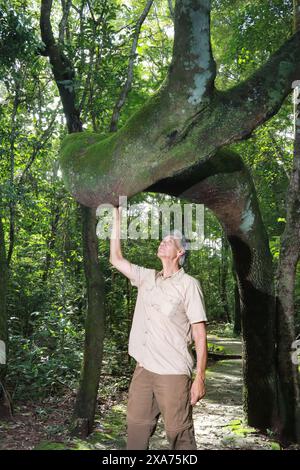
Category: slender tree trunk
[84,411]
[51,241]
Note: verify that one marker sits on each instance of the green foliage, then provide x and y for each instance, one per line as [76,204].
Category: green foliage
[239,428]
[49,362]
[111,431]
[211,347]
[45,445]
[241,37]
[275,446]
[221,329]
[18,39]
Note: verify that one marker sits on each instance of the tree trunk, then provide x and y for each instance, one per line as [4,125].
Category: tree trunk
[84,411]
[55,215]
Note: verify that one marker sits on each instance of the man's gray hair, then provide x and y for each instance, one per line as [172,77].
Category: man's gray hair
[184,244]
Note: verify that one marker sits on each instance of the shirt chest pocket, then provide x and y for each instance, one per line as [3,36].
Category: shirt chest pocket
[165,303]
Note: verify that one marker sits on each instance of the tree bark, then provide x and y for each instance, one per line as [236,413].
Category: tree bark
[62,68]
[84,411]
[55,216]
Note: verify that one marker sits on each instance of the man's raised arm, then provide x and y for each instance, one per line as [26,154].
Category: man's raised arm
[116,257]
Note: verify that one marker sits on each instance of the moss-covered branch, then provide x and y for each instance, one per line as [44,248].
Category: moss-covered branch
[166,136]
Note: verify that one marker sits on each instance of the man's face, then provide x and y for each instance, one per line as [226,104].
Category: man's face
[170,248]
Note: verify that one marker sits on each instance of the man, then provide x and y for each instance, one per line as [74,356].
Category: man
[169,314]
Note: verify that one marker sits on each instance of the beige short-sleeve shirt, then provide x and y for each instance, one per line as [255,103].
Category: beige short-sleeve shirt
[161,334]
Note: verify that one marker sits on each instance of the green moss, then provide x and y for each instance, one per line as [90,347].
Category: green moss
[215,348]
[113,429]
[48,445]
[239,428]
[142,119]
[84,156]
[275,446]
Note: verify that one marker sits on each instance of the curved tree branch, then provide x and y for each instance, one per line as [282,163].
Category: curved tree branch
[169,135]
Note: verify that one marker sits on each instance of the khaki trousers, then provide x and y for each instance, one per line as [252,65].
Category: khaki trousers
[152,394]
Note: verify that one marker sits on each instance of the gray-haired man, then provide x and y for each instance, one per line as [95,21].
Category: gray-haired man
[169,314]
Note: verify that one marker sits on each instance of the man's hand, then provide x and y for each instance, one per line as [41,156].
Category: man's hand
[197,390]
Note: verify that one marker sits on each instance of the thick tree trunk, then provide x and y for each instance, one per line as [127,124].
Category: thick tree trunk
[228,190]
[83,416]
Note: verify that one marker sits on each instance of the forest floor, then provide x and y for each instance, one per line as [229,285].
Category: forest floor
[218,417]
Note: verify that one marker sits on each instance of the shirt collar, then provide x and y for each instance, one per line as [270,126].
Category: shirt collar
[174,276]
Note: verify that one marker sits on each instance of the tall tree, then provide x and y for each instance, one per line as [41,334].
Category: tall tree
[172,143]
[63,71]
